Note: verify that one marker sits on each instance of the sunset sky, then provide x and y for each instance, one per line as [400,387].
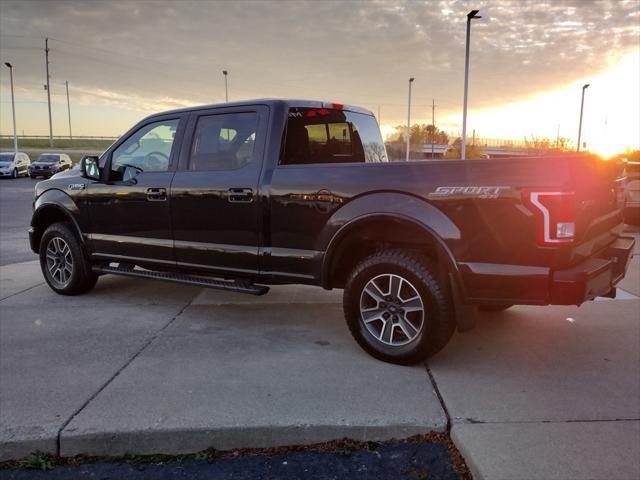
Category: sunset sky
[529,60]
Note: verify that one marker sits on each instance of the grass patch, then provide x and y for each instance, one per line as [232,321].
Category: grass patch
[37,461]
[58,143]
[79,147]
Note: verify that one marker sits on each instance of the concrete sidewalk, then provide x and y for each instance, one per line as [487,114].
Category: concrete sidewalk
[551,393]
[148,367]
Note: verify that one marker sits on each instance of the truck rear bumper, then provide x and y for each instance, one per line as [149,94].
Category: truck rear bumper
[528,285]
[594,277]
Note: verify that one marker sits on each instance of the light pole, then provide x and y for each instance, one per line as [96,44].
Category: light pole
[463,151]
[47,87]
[226,91]
[13,108]
[409,120]
[584,87]
[66,84]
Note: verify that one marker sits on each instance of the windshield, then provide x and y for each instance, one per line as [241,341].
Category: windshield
[6,157]
[48,158]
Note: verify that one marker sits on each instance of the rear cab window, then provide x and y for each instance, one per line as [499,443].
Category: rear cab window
[329,135]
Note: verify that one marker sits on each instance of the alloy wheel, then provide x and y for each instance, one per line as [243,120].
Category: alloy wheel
[59,262]
[391,309]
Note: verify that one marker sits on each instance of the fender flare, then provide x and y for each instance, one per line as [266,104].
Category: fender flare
[62,203]
[403,206]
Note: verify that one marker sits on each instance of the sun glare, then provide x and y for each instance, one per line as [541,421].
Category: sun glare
[611,121]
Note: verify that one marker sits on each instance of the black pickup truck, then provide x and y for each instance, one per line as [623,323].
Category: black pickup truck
[242,195]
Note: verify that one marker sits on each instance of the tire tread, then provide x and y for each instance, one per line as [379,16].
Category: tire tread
[444,326]
[85,278]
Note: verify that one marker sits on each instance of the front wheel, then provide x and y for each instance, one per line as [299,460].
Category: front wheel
[14,174]
[63,263]
[397,309]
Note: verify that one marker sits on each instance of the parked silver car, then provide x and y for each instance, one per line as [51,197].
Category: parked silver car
[14,164]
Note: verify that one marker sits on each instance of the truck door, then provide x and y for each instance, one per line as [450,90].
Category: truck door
[129,210]
[215,193]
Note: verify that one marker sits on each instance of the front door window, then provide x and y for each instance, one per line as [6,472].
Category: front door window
[147,150]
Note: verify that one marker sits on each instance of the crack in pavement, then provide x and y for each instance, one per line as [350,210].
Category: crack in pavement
[117,373]
[473,421]
[21,291]
[439,395]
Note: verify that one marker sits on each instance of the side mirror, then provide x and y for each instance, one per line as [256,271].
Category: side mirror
[89,167]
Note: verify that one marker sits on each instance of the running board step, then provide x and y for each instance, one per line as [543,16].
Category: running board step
[238,286]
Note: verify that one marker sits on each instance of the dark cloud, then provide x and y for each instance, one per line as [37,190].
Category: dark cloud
[171,53]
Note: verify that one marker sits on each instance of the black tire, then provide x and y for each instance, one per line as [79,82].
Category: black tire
[80,279]
[494,308]
[438,322]
[14,174]
[33,177]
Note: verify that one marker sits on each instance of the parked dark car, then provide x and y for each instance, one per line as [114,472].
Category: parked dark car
[242,195]
[14,164]
[49,164]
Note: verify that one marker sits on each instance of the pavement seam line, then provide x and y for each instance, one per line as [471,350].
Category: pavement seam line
[439,395]
[21,291]
[516,422]
[116,374]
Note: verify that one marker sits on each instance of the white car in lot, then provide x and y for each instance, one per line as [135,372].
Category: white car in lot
[14,164]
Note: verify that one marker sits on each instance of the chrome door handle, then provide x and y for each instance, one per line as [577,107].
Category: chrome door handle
[157,194]
[240,195]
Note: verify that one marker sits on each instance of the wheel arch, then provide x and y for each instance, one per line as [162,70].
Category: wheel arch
[50,208]
[376,219]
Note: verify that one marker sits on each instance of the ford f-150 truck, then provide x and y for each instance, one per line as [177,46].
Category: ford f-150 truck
[242,195]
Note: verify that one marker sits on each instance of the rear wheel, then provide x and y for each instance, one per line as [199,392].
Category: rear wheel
[396,308]
[62,261]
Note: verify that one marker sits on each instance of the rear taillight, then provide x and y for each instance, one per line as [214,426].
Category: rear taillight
[555,213]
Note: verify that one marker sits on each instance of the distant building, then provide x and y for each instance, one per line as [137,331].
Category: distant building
[427,150]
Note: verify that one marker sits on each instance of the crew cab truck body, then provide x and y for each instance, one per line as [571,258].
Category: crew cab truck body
[242,195]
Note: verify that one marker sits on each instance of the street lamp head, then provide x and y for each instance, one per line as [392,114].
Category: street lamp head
[224,72]
[586,85]
[8,64]
[411,79]
[473,14]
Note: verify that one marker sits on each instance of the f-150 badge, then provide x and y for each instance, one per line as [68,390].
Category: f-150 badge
[76,186]
[471,191]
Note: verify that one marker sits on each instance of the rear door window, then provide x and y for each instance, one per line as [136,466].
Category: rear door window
[223,141]
[322,135]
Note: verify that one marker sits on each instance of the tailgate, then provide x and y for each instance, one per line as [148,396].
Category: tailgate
[598,186]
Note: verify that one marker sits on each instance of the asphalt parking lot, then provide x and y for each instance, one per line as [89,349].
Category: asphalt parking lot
[16,197]
[139,367]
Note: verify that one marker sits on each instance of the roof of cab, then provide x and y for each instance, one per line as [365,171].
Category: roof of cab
[288,103]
